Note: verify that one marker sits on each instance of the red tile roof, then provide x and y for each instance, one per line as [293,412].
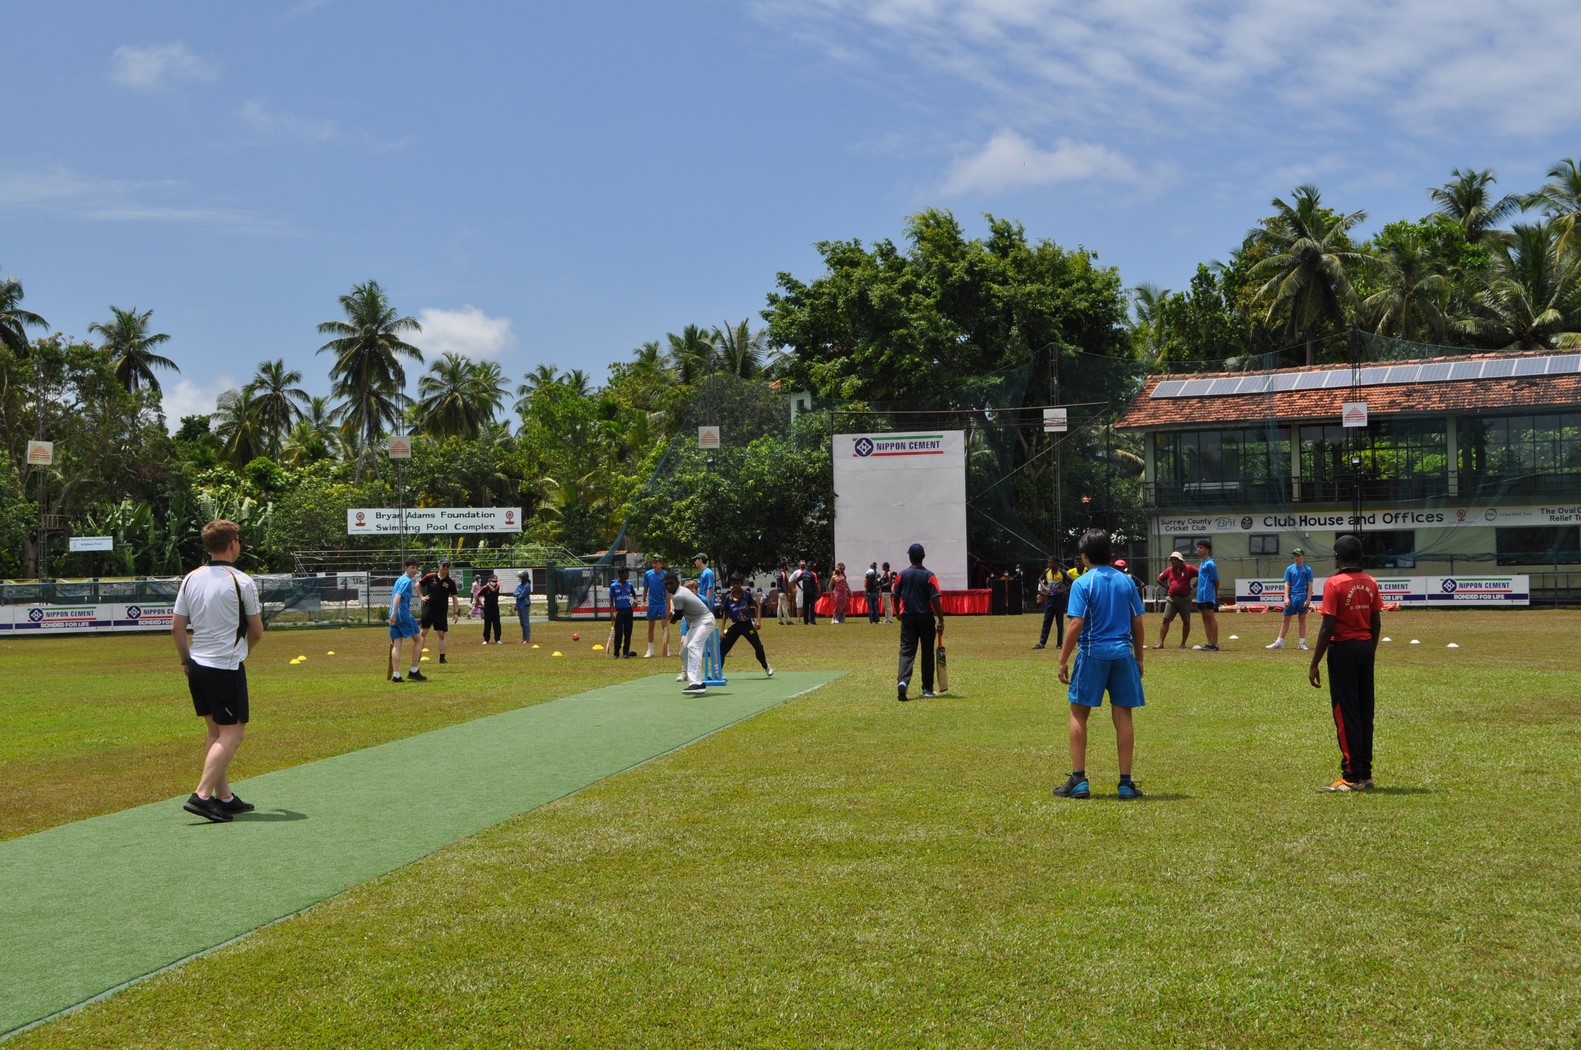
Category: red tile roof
[1413,399]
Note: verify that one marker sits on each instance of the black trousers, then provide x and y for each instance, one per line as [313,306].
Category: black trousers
[1350,667]
[741,630]
[491,620]
[1053,613]
[916,629]
[809,606]
[622,632]
[872,605]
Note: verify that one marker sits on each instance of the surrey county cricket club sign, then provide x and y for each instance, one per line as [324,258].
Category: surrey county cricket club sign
[387,521]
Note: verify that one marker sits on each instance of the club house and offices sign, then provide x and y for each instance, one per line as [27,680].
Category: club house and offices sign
[387,521]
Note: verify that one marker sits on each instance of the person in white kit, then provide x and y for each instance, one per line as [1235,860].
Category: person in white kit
[222,606]
[699,628]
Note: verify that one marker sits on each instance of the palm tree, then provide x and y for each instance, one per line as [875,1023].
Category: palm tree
[15,321]
[1147,302]
[1533,298]
[1560,200]
[367,373]
[238,425]
[1467,198]
[459,398]
[739,350]
[277,402]
[691,354]
[578,381]
[130,345]
[1307,270]
[1412,303]
[540,378]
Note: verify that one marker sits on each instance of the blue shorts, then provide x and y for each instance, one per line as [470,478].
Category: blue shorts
[655,613]
[404,627]
[1296,608]
[1092,675]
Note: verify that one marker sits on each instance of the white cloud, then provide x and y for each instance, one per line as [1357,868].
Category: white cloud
[71,194]
[159,65]
[260,118]
[186,397]
[467,331]
[1009,161]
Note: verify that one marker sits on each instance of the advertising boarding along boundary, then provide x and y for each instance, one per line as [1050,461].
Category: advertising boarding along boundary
[1409,591]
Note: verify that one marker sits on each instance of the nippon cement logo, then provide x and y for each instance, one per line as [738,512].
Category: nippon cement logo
[898,445]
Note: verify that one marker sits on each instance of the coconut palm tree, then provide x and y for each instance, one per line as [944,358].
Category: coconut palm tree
[691,354]
[738,349]
[130,347]
[367,374]
[578,381]
[1560,200]
[1533,298]
[238,425]
[1467,198]
[1412,304]
[277,402]
[15,321]
[1147,323]
[458,398]
[1306,276]
[540,378]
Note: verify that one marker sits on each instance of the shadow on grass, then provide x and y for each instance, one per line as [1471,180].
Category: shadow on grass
[1399,791]
[258,816]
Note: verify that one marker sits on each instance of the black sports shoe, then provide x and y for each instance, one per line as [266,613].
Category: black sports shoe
[235,805]
[417,676]
[695,689]
[928,694]
[900,692]
[396,679]
[1040,645]
[1074,787]
[442,655]
[207,808]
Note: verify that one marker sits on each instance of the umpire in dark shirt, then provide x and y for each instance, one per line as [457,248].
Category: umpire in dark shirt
[918,598]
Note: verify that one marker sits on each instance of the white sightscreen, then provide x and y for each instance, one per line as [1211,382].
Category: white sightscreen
[893,490]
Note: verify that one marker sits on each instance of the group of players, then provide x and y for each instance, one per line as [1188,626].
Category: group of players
[1105,634]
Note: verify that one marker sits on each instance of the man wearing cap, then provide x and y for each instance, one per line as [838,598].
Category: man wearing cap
[919,600]
[1298,599]
[435,587]
[1120,563]
[524,604]
[1178,581]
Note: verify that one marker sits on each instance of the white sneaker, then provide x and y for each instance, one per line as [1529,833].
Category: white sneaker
[769,673]
[649,654]
[1278,644]
[681,677]
[1303,645]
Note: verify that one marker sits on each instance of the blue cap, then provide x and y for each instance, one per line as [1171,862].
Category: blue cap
[916,551]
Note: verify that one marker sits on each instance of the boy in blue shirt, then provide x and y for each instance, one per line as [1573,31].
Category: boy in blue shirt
[1298,598]
[658,603]
[622,598]
[1208,595]
[1104,631]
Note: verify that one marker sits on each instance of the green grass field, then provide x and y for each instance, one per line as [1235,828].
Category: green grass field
[844,870]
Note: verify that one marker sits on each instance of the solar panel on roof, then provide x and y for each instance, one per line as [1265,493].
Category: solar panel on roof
[1531,366]
[1372,375]
[1465,370]
[1564,364]
[1223,386]
[1252,385]
[1168,388]
[1401,374]
[1436,373]
[1496,369]
[1309,381]
[1337,378]
[1283,381]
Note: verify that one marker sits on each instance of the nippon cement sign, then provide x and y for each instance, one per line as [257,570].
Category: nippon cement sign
[387,521]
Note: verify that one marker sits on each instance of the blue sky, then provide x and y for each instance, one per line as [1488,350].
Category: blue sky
[558,183]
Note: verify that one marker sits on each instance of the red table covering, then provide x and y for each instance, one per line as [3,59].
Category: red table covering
[956,603]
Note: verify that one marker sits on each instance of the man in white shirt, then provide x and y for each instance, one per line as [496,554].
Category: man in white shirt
[221,605]
[700,628]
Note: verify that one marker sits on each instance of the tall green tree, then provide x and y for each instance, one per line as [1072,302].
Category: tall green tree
[367,374]
[1306,277]
[277,400]
[459,397]
[238,423]
[130,347]
[15,321]
[738,349]
[1533,297]
[691,353]
[1468,199]
[1559,200]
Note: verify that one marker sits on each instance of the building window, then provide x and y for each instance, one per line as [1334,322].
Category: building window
[1253,461]
[1389,550]
[1264,544]
[1539,545]
[1187,545]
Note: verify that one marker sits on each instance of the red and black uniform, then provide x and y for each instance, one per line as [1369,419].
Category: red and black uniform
[1352,598]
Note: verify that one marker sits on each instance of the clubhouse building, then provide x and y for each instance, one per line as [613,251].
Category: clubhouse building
[1453,465]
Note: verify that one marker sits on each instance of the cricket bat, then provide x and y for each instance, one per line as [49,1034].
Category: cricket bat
[610,645]
[941,670]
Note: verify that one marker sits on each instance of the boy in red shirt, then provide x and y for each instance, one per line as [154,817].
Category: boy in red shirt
[1352,624]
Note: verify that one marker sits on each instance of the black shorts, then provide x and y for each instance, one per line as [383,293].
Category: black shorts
[218,693]
[434,617]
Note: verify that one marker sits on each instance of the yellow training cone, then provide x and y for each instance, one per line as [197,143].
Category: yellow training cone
[535,645]
[425,648]
[295,662]
[598,647]
[301,657]
[330,653]
[422,659]
[557,653]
